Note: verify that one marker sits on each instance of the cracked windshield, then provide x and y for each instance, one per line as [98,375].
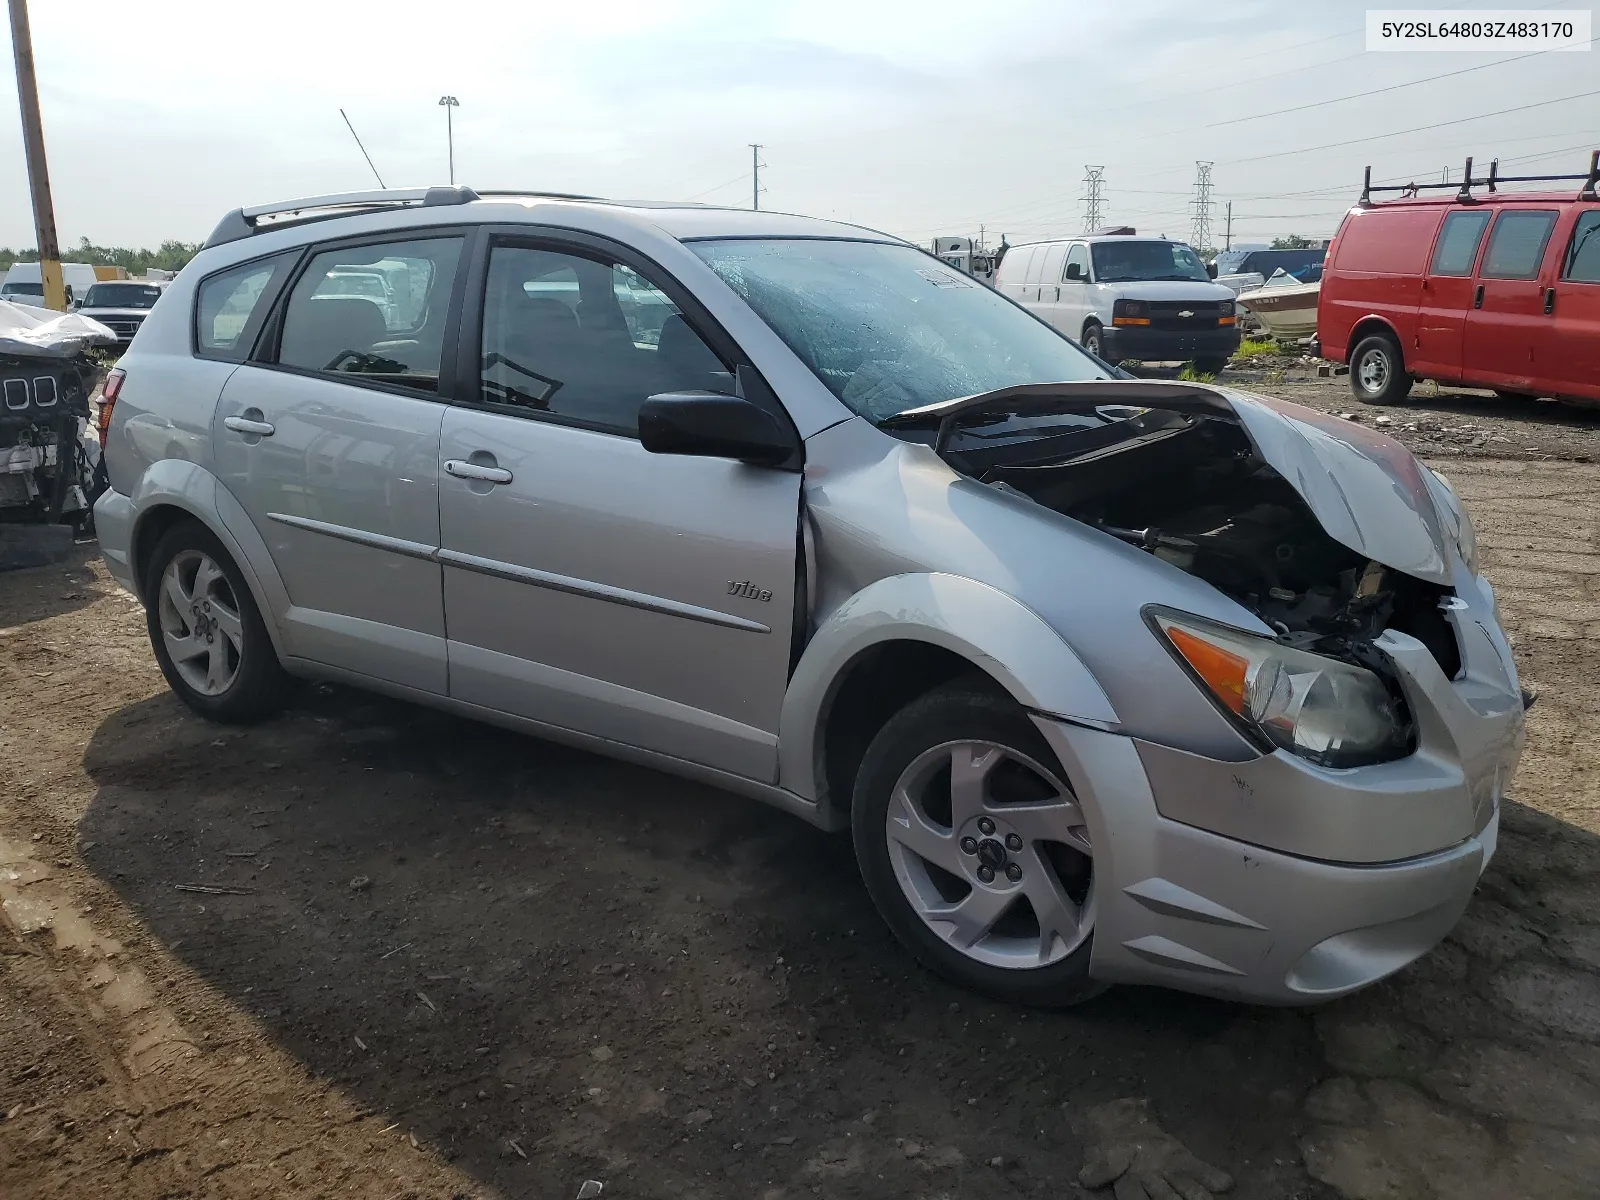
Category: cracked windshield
[799,601]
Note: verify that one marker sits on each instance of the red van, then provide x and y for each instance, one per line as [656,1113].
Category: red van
[1487,289]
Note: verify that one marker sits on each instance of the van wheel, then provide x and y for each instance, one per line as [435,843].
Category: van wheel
[1095,343]
[207,633]
[974,848]
[1378,372]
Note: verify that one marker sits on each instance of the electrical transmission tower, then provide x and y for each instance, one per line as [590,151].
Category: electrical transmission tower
[1200,227]
[1093,198]
[755,175]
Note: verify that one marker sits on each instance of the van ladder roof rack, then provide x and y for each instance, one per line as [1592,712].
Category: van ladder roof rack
[243,222]
[1590,180]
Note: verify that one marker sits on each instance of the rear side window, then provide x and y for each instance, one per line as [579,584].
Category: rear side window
[228,307]
[1516,247]
[1581,263]
[374,313]
[1457,248]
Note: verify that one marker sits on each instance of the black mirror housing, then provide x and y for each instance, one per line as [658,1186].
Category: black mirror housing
[710,425]
[1074,271]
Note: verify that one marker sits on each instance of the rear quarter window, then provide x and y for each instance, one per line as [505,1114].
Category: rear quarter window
[1388,241]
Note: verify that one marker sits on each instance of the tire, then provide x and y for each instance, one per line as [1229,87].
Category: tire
[904,797]
[1095,343]
[1378,371]
[1210,366]
[205,629]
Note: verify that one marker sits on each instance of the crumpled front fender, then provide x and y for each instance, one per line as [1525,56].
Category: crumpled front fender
[995,632]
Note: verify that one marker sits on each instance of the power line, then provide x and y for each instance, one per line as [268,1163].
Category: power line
[1093,178]
[1378,137]
[740,178]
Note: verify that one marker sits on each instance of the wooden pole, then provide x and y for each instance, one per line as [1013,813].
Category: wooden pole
[44,213]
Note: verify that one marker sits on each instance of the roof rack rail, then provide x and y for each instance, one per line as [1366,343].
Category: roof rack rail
[243,222]
[1590,180]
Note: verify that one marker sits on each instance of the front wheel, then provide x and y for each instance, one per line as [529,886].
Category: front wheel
[1378,372]
[1210,366]
[1094,341]
[975,850]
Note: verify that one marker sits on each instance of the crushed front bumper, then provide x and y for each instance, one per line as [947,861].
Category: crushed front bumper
[1279,882]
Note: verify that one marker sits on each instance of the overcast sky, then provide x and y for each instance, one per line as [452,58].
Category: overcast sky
[920,117]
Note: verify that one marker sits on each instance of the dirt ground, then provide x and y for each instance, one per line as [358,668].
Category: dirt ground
[366,950]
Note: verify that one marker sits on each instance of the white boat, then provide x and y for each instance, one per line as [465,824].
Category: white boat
[1285,306]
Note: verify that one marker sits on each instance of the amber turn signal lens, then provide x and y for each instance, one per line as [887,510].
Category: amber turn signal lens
[1223,672]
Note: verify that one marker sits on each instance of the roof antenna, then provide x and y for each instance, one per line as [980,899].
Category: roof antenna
[362,148]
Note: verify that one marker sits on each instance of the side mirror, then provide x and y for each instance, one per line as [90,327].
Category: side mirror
[709,425]
[1075,271]
[1211,269]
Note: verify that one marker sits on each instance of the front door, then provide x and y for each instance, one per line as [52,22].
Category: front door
[589,584]
[1446,296]
[1569,353]
[331,444]
[1074,306]
[1507,319]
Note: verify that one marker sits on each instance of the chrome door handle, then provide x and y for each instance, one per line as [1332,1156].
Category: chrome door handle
[246,425]
[462,469]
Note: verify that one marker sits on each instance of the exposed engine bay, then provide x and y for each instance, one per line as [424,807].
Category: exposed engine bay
[1190,489]
[47,464]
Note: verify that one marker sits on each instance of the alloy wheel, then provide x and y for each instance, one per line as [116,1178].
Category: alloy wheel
[992,852]
[200,622]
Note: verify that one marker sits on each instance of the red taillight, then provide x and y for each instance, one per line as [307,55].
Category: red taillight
[108,400]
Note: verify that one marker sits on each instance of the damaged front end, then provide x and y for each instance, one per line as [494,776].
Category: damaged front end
[1293,518]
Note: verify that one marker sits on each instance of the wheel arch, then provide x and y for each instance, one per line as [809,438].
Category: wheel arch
[899,638]
[1365,328]
[174,490]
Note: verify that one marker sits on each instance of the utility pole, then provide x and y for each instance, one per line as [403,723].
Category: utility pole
[1227,236]
[1093,180]
[449,104]
[755,174]
[44,213]
[1200,228]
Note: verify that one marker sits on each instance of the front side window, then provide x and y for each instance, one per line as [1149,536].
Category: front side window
[888,328]
[373,313]
[1581,264]
[1133,262]
[586,339]
[1078,257]
[228,307]
[1457,247]
[1516,245]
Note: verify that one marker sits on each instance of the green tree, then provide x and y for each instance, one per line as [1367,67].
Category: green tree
[1292,242]
[171,255]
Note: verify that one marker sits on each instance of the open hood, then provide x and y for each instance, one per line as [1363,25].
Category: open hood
[1366,490]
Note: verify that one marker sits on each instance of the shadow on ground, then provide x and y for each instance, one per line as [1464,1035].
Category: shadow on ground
[496,940]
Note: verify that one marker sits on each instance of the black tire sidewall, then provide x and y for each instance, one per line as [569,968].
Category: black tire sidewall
[1398,386]
[1097,346]
[261,686]
[952,714]
[1211,366]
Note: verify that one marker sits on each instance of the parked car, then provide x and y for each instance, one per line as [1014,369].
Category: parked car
[1110,680]
[1125,297]
[121,305]
[1491,289]
[23,283]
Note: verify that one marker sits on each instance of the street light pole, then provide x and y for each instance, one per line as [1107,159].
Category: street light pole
[450,103]
[44,213]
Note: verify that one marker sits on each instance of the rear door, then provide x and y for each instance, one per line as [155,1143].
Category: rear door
[1447,292]
[1569,353]
[329,439]
[588,584]
[1507,318]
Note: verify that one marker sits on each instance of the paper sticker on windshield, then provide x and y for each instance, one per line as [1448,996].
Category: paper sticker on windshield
[945,279]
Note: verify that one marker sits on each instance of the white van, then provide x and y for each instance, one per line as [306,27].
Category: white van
[1125,297]
[24,285]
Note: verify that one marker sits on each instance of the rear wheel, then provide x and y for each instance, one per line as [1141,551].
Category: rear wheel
[207,633]
[975,850]
[1378,371]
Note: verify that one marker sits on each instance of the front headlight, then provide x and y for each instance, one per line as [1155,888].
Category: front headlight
[1331,712]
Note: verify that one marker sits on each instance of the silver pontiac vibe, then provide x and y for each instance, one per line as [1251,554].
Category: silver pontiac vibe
[1111,680]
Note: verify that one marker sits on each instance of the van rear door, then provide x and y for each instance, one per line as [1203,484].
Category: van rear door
[1507,320]
[1447,291]
[1568,356]
[1379,260]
